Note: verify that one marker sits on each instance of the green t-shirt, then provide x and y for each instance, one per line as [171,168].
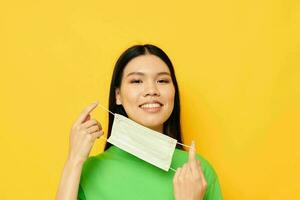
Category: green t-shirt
[116,174]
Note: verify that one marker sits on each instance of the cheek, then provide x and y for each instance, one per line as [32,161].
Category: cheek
[130,95]
[169,96]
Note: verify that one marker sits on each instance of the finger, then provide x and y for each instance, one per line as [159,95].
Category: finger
[90,123]
[84,114]
[199,165]
[200,170]
[93,129]
[184,170]
[195,170]
[96,135]
[192,152]
[189,172]
[87,118]
[177,173]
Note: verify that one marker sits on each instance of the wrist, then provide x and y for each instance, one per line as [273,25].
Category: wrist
[74,162]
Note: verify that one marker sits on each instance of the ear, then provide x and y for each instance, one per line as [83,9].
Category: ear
[118,96]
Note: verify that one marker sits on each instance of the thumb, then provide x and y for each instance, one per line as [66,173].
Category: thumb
[192,152]
[88,117]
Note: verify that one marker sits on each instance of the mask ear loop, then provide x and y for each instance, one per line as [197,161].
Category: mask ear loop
[107,111]
[184,145]
[174,170]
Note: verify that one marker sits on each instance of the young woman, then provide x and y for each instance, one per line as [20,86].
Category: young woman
[144,89]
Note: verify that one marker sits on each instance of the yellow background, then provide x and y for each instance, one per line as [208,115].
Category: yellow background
[237,64]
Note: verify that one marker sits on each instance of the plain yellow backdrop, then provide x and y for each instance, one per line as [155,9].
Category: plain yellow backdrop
[237,64]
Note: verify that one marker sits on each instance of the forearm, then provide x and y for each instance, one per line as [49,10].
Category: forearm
[69,183]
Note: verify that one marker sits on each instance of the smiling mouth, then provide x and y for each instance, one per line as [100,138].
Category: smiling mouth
[151,107]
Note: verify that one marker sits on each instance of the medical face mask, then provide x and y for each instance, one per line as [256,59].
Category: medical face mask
[142,142]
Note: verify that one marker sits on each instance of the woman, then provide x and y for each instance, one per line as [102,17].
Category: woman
[144,89]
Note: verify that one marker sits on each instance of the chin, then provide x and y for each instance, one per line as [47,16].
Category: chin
[151,125]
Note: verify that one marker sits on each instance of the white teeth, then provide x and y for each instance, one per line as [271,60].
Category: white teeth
[151,105]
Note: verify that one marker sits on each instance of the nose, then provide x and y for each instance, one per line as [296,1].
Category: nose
[151,89]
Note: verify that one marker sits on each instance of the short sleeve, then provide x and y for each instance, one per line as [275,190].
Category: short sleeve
[80,195]
[213,191]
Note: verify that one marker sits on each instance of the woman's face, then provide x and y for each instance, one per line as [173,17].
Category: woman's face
[147,91]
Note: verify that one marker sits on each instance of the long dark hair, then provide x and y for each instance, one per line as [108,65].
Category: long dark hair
[172,126]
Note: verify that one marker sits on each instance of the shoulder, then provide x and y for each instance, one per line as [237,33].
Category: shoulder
[103,161]
[94,163]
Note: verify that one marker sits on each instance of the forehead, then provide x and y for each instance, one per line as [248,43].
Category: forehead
[148,64]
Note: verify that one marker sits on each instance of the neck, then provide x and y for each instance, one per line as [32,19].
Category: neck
[157,128]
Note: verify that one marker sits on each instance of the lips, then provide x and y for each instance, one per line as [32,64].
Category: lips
[151,102]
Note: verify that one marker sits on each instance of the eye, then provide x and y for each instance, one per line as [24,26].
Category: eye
[135,81]
[164,81]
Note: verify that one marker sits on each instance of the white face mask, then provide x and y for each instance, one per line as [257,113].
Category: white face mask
[144,143]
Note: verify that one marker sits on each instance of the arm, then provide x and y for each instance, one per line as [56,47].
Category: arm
[68,187]
[84,132]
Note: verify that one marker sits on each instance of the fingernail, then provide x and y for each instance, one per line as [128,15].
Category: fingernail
[193,144]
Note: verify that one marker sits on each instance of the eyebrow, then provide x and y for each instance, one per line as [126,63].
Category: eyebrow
[143,74]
